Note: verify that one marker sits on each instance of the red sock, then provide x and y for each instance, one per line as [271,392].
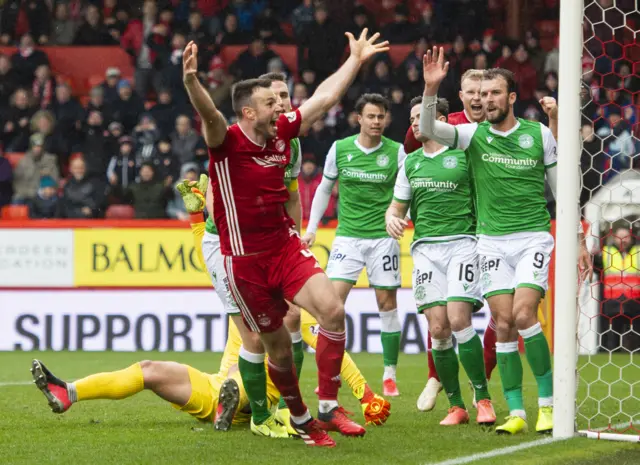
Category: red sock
[329,353]
[489,342]
[286,381]
[433,373]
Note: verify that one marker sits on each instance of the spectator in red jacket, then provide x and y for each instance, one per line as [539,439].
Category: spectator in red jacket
[525,74]
[134,41]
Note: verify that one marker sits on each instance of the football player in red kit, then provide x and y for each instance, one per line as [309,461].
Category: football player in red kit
[266,263]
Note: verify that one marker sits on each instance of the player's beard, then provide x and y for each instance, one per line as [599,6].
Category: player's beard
[501,116]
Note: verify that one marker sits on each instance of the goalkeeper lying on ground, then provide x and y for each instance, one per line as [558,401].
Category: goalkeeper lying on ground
[219,397]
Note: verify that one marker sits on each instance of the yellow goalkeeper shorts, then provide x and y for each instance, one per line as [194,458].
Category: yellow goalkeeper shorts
[205,390]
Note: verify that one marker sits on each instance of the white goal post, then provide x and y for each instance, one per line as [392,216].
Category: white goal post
[596,385]
[566,282]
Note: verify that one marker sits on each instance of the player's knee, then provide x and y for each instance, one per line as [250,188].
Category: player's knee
[459,322]
[439,330]
[281,355]
[149,372]
[525,316]
[503,328]
[332,317]
[387,302]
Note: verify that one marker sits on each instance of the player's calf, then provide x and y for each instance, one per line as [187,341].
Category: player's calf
[54,389]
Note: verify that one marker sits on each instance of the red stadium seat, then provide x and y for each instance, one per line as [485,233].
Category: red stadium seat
[120,212]
[14,212]
[14,158]
[95,80]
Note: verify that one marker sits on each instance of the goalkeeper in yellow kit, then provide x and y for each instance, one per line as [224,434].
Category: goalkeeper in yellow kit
[220,398]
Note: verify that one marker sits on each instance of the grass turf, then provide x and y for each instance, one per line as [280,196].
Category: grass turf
[144,429]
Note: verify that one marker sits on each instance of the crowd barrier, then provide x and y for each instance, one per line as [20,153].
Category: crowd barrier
[112,285]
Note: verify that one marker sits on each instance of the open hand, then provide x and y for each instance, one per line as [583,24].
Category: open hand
[363,48]
[434,69]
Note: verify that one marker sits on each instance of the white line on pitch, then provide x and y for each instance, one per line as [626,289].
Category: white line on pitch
[497,452]
[15,383]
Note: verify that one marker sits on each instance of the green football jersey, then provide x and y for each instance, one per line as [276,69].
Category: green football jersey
[365,184]
[438,187]
[291,172]
[508,174]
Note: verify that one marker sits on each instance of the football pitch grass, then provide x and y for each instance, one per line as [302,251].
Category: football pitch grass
[146,430]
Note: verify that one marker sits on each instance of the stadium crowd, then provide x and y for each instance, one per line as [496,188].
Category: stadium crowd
[130,140]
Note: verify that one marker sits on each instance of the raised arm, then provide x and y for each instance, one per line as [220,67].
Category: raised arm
[331,90]
[435,69]
[213,122]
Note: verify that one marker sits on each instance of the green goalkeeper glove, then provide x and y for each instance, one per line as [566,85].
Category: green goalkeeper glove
[193,194]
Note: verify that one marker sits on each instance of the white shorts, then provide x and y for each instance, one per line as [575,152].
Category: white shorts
[514,260]
[381,257]
[215,266]
[446,272]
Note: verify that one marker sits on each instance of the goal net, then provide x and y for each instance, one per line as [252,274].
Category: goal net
[608,318]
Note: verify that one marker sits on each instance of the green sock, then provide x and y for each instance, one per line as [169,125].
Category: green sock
[447,366]
[472,359]
[390,335]
[510,366]
[390,348]
[298,358]
[537,349]
[254,379]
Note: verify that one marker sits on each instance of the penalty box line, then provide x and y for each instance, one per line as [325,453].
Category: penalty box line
[518,447]
[497,452]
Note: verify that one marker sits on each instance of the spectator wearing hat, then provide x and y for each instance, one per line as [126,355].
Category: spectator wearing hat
[122,170]
[149,196]
[35,164]
[128,107]
[63,28]
[45,203]
[112,138]
[175,207]
[6,181]
[82,197]
[184,140]
[110,85]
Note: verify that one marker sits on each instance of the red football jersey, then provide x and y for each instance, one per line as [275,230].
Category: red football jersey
[411,144]
[248,188]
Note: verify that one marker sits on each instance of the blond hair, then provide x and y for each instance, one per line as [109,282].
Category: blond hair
[475,74]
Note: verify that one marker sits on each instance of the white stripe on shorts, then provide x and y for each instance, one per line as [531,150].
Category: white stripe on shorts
[238,297]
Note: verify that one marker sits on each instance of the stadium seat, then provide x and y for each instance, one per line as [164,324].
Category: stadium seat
[14,212]
[14,158]
[120,212]
[95,80]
